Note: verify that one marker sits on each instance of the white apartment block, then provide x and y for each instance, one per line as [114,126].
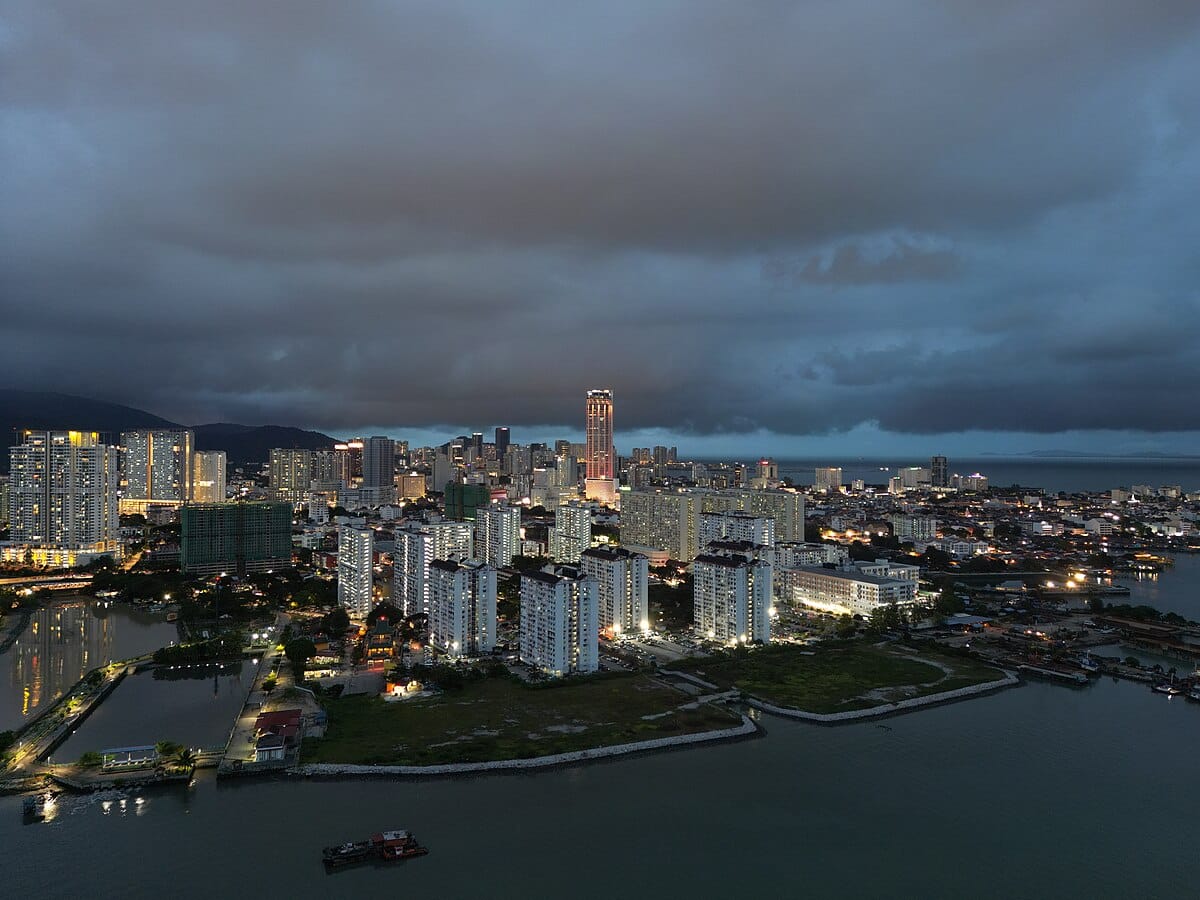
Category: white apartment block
[560,622]
[497,534]
[572,532]
[828,479]
[62,498]
[662,520]
[624,580]
[356,571]
[882,568]
[416,547]
[462,607]
[290,473]
[913,528]
[794,554]
[786,507]
[736,526]
[844,592]
[732,598]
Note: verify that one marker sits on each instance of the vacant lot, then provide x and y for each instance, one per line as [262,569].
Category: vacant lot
[843,677]
[500,719]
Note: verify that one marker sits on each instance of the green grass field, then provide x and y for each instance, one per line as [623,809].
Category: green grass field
[500,719]
[837,678]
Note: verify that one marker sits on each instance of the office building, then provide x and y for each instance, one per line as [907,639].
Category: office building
[623,580]
[356,569]
[974,482]
[912,477]
[502,442]
[62,499]
[497,534]
[156,468]
[844,592]
[939,472]
[410,486]
[571,533]
[235,537]
[560,622]
[736,526]
[208,476]
[732,598]
[290,473]
[600,456]
[828,479]
[379,463]
[417,546]
[462,607]
[766,474]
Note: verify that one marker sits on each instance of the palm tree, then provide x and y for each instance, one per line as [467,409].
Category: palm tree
[185,758]
[166,749]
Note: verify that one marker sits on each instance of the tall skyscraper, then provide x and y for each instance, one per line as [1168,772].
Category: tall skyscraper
[356,571]
[208,476]
[291,474]
[156,468]
[502,442]
[623,579]
[379,463]
[560,627]
[462,607]
[939,472]
[599,453]
[497,533]
[62,498]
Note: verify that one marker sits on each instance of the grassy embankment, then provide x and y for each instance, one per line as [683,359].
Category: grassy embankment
[837,678]
[500,719]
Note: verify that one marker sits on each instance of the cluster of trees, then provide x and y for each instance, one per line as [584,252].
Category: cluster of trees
[455,678]
[225,646]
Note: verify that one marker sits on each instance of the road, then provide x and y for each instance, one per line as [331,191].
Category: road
[242,740]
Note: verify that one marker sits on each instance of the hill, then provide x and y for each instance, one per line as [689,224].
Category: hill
[45,410]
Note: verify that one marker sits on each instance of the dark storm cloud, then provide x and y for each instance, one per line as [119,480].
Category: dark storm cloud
[793,217]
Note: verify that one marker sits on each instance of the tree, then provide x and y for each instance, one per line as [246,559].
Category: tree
[336,622]
[90,760]
[185,758]
[299,652]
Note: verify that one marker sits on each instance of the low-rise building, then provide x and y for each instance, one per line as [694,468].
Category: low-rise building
[843,592]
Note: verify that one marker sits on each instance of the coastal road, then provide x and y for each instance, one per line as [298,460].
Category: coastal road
[241,741]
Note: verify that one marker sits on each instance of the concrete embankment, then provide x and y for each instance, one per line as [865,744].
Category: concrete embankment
[336,770]
[887,709]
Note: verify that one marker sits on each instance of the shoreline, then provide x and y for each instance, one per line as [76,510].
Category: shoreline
[887,709]
[747,728]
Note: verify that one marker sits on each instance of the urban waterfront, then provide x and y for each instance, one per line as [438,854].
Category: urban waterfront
[1176,589]
[63,641]
[1069,474]
[1038,791]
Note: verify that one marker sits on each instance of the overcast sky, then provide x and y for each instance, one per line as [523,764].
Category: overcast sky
[784,227]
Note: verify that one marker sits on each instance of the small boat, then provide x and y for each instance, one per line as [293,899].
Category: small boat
[345,854]
[1169,689]
[1088,664]
[1194,694]
[172,616]
[386,846]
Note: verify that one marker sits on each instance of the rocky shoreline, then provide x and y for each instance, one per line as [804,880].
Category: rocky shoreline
[887,709]
[346,770]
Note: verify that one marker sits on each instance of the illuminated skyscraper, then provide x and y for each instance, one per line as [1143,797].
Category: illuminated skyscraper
[291,474]
[939,471]
[355,571]
[599,448]
[156,467]
[379,463]
[208,476]
[63,498]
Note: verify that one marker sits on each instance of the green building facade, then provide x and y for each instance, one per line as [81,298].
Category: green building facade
[463,499]
[235,537]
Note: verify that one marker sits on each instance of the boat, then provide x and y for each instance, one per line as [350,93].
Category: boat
[1169,689]
[1088,664]
[387,846]
[395,845]
[1194,694]
[172,616]
[346,854]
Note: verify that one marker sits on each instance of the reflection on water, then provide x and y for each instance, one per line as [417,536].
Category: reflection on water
[64,641]
[1176,589]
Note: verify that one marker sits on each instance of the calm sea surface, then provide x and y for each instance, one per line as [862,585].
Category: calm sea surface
[1039,791]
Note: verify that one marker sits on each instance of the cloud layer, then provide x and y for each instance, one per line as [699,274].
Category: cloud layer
[790,217]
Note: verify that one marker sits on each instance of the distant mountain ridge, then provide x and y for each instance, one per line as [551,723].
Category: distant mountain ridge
[43,410]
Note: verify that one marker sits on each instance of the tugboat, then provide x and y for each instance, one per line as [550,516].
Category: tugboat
[396,845]
[386,846]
